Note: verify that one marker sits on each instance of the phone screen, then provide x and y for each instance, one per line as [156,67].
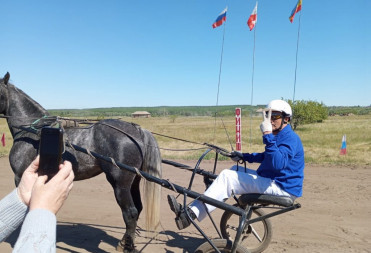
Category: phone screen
[49,144]
[50,150]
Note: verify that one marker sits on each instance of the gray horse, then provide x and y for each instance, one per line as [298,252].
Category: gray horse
[125,142]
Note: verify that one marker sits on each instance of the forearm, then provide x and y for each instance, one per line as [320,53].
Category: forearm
[38,232]
[12,213]
[253,157]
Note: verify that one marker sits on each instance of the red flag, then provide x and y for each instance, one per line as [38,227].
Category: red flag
[295,10]
[3,140]
[253,17]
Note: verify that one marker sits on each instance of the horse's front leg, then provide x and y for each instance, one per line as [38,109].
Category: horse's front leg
[20,157]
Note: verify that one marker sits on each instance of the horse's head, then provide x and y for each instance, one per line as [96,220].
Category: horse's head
[4,92]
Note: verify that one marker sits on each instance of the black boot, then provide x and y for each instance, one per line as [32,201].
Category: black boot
[181,218]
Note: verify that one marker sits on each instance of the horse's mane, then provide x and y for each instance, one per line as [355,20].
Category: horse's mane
[20,93]
[27,99]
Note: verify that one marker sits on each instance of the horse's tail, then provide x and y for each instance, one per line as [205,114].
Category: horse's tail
[152,191]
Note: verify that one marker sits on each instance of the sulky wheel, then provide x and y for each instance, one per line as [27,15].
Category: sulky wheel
[255,237]
[223,245]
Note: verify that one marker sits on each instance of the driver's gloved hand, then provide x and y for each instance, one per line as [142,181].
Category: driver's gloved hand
[266,125]
[236,156]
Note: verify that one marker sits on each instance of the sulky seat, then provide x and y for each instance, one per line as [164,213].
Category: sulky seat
[265,199]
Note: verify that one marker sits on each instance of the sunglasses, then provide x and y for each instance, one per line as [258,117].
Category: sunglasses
[275,116]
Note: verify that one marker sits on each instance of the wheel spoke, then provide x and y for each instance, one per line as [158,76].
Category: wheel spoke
[256,234]
[255,238]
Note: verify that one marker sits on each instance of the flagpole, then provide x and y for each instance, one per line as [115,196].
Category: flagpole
[251,22]
[220,72]
[296,61]
[252,87]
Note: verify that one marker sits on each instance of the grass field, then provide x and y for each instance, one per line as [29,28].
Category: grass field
[322,141]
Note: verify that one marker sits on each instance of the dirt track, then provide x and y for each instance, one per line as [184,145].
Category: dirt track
[335,215]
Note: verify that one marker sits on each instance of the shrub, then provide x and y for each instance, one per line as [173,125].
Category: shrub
[173,118]
[307,112]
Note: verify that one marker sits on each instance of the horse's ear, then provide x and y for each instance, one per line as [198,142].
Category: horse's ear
[6,78]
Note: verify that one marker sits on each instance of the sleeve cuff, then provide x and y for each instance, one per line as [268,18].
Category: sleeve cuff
[268,138]
[38,232]
[40,221]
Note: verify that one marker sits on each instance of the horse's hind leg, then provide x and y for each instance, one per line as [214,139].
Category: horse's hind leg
[121,182]
[130,215]
[135,194]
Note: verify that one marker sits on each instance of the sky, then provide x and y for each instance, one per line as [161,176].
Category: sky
[123,53]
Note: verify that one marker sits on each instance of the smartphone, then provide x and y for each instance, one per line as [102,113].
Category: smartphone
[50,151]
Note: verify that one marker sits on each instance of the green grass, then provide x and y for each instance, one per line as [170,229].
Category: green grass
[321,141]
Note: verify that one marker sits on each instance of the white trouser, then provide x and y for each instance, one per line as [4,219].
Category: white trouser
[240,183]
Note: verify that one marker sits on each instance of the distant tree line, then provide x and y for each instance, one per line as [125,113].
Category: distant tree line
[305,112]
[160,111]
[348,110]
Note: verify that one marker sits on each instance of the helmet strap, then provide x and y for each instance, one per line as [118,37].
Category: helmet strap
[282,123]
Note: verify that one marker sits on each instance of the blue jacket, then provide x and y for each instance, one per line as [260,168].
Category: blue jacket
[282,160]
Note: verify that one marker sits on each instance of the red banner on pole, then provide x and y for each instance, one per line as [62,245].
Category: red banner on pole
[238,129]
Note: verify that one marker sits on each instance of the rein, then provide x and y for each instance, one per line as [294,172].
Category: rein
[57,119]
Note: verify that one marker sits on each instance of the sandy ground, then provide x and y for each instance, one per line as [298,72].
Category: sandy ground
[335,215]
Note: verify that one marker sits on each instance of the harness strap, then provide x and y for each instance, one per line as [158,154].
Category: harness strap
[88,151]
[134,140]
[136,169]
[138,173]
[193,142]
[171,185]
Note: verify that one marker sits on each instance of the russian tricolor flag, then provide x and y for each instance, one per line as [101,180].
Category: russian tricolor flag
[343,150]
[221,18]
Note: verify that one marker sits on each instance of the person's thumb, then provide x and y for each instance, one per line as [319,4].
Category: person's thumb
[41,180]
[34,166]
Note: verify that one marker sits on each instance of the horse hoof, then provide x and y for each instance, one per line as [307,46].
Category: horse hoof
[121,248]
[131,251]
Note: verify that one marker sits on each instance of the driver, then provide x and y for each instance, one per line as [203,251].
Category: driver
[281,170]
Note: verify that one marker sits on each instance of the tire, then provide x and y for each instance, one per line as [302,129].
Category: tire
[255,237]
[223,245]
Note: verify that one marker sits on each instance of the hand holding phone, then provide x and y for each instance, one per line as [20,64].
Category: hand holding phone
[50,151]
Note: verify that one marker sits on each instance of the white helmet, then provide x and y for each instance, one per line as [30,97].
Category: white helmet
[281,106]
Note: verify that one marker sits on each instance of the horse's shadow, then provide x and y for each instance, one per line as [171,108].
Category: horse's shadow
[186,242]
[84,236]
[183,241]
[79,237]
